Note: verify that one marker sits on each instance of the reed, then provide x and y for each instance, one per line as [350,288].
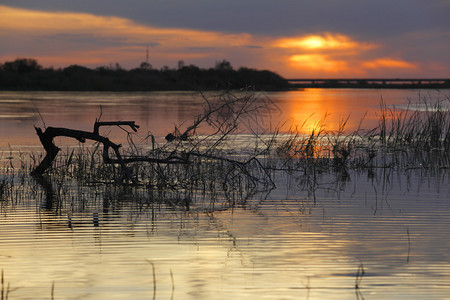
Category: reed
[360,272]
[213,171]
[4,294]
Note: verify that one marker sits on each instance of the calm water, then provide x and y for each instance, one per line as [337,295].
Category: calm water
[159,113]
[291,244]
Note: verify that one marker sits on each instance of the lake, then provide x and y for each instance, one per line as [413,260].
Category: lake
[383,234]
[159,112]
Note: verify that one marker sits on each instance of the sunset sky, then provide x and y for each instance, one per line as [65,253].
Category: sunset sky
[297,39]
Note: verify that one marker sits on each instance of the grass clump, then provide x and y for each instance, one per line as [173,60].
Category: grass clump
[214,163]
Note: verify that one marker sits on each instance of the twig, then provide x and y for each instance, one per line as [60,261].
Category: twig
[359,275]
[154,278]
[42,119]
[53,290]
[173,283]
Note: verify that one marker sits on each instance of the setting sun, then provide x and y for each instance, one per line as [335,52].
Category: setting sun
[326,41]
[61,38]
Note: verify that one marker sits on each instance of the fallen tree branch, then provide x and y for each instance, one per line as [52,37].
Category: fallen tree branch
[46,137]
[52,150]
[202,161]
[132,124]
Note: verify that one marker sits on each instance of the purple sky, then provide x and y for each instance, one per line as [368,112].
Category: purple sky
[321,38]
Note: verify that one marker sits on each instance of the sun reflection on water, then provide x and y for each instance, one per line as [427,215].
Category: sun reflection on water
[315,110]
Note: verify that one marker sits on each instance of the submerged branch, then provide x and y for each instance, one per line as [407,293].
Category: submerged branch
[52,150]
[191,164]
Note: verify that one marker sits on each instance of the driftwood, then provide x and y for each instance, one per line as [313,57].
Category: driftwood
[221,118]
[46,137]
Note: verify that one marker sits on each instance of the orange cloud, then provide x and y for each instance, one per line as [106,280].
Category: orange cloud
[65,38]
[388,63]
[318,62]
[13,19]
[327,41]
[84,38]
[323,54]
[332,53]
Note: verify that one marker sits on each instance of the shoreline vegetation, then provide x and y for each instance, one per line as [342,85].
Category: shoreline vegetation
[217,171]
[26,74]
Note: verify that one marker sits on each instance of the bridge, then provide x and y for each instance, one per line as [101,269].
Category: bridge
[392,83]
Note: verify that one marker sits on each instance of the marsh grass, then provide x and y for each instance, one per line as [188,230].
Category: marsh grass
[216,179]
[416,136]
[6,289]
[228,167]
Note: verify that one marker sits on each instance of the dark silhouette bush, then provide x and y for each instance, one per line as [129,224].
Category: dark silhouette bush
[27,74]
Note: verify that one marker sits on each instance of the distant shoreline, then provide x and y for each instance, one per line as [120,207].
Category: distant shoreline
[25,74]
[281,84]
[374,83]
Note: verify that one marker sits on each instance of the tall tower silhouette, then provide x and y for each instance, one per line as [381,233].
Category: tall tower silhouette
[146,64]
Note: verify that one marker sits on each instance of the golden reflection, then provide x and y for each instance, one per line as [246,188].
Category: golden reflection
[307,114]
[316,109]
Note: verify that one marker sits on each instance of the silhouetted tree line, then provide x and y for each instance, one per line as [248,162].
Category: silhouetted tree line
[27,74]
